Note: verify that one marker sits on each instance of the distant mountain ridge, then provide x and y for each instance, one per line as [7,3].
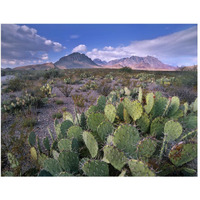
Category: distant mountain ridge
[75,60]
[78,60]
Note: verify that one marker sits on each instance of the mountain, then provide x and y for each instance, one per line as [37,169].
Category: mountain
[75,60]
[140,63]
[44,66]
[99,62]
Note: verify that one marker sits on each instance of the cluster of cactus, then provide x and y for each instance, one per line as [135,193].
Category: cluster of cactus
[85,75]
[165,81]
[109,76]
[18,103]
[46,89]
[146,77]
[89,85]
[67,80]
[128,138]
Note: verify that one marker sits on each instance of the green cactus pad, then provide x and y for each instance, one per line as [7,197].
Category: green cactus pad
[55,154]
[65,125]
[32,139]
[90,143]
[65,144]
[114,156]
[110,112]
[159,107]
[120,110]
[193,106]
[94,120]
[174,106]
[57,128]
[183,153]
[179,113]
[67,116]
[33,153]
[52,166]
[138,168]
[126,139]
[75,132]
[134,108]
[143,123]
[146,148]
[140,95]
[126,116]
[38,145]
[127,91]
[104,129]
[123,173]
[172,130]
[46,143]
[65,174]
[101,103]
[41,158]
[91,109]
[149,102]
[44,173]
[83,121]
[186,107]
[69,161]
[190,122]
[12,160]
[95,168]
[110,140]
[157,127]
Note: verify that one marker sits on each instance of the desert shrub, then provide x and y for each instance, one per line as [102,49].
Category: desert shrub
[57,115]
[126,70]
[79,100]
[52,73]
[29,121]
[15,85]
[104,88]
[66,90]
[59,102]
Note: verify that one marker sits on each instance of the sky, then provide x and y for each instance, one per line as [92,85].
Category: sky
[25,44]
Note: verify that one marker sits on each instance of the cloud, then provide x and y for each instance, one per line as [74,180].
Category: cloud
[22,44]
[74,36]
[179,48]
[80,48]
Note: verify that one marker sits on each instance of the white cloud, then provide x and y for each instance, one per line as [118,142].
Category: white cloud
[80,48]
[23,44]
[179,48]
[45,56]
[74,36]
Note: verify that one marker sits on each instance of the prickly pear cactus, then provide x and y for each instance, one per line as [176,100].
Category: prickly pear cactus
[95,168]
[67,116]
[33,153]
[94,120]
[146,148]
[120,109]
[157,127]
[46,143]
[138,168]
[186,107]
[65,125]
[32,139]
[69,161]
[90,143]
[183,153]
[104,129]
[140,95]
[12,160]
[143,123]
[65,174]
[172,130]
[55,154]
[127,91]
[110,112]
[149,102]
[65,145]
[114,156]
[83,121]
[126,116]
[126,138]
[174,106]
[52,166]
[101,103]
[75,132]
[134,108]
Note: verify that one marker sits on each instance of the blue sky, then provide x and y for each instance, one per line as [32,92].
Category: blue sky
[23,44]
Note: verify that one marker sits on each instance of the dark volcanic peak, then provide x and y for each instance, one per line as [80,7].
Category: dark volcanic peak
[75,60]
[44,66]
[99,61]
[147,63]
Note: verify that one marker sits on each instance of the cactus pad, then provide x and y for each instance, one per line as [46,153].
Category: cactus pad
[110,112]
[12,160]
[174,106]
[126,139]
[104,129]
[134,108]
[91,109]
[94,120]
[101,103]
[33,153]
[143,123]
[67,116]
[149,102]
[65,144]
[52,166]
[127,91]
[183,153]
[126,116]
[65,174]
[55,154]
[146,148]
[159,107]
[90,143]
[69,161]
[120,109]
[114,156]
[138,168]
[140,95]
[65,125]
[95,168]
[172,130]
[46,143]
[32,139]
[157,127]
[75,132]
